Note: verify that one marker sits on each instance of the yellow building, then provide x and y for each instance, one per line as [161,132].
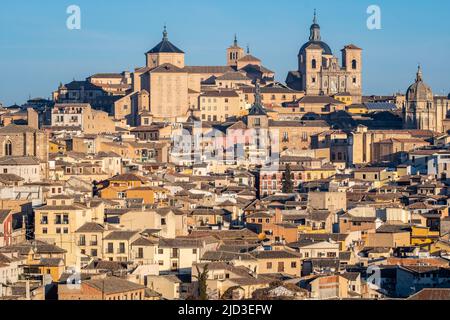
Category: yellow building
[116,187]
[150,194]
[52,266]
[344,97]
[423,235]
[378,176]
[56,147]
[220,105]
[57,221]
[357,109]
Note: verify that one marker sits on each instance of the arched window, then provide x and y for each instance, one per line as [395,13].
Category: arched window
[8,148]
[314,64]
[354,64]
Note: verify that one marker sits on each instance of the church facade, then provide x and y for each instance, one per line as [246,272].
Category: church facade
[319,71]
[422,109]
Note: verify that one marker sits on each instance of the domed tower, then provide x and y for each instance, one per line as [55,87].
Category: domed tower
[311,58]
[314,39]
[165,52]
[419,112]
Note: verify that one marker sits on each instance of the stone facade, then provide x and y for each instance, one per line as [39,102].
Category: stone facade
[422,110]
[319,72]
[23,141]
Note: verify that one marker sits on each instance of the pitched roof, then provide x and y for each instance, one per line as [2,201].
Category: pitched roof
[220,93]
[19,161]
[165,46]
[113,285]
[144,242]
[13,128]
[249,57]
[167,68]
[40,247]
[233,76]
[180,243]
[208,69]
[431,294]
[274,255]
[126,177]
[90,227]
[10,177]
[120,235]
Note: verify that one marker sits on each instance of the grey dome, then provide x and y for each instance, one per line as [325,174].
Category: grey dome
[326,48]
[419,90]
[315,38]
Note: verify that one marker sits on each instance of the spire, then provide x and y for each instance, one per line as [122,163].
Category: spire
[165,33]
[315,29]
[419,73]
[258,100]
[257,108]
[235,40]
[248,49]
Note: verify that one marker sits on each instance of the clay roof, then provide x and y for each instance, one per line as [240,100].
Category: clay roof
[113,285]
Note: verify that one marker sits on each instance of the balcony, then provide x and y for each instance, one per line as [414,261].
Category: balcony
[94,243]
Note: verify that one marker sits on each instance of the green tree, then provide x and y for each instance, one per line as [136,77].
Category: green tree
[288,184]
[202,285]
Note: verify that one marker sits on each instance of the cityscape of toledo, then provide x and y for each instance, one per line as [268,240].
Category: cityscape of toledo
[232,181]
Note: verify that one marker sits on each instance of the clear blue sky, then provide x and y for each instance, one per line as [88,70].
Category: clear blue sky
[37,51]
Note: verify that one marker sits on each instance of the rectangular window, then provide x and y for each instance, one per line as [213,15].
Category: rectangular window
[140,253]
